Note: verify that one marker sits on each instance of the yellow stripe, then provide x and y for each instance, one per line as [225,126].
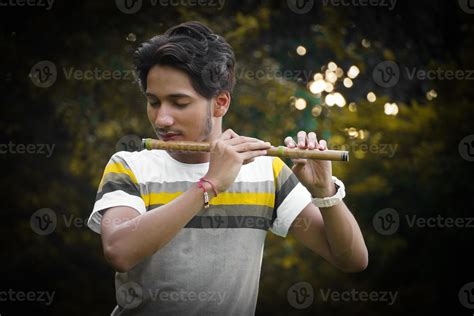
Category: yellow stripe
[267,199]
[159,198]
[277,165]
[117,168]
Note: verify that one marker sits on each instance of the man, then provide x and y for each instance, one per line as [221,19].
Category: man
[185,232]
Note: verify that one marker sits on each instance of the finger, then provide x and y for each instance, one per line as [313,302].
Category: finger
[299,161]
[248,161]
[252,154]
[290,142]
[228,134]
[242,139]
[248,146]
[301,139]
[312,140]
[323,145]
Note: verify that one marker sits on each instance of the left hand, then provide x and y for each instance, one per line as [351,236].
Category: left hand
[315,175]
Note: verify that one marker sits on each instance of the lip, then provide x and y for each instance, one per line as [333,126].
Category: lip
[169,136]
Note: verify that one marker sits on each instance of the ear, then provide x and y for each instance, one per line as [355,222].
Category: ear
[221,103]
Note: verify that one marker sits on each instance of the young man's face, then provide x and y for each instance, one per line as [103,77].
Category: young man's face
[174,108]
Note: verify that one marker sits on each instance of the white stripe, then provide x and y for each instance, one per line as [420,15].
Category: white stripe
[158,166]
[112,199]
[289,209]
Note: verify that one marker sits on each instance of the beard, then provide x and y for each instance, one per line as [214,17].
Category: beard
[207,122]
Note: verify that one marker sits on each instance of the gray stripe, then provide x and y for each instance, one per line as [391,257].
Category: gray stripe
[118,159]
[120,178]
[286,188]
[284,174]
[223,222]
[231,210]
[182,186]
[115,186]
[281,195]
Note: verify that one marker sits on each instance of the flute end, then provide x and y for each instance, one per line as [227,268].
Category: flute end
[145,143]
[345,156]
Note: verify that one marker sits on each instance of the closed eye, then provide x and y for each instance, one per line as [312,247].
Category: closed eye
[181,105]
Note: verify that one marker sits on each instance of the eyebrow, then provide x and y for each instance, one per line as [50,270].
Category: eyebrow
[173,95]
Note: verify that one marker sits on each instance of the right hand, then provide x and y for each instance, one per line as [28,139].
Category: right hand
[228,153]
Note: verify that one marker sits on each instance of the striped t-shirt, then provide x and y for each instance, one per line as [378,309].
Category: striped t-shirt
[212,266]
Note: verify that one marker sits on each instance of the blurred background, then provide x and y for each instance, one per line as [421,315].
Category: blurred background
[390,81]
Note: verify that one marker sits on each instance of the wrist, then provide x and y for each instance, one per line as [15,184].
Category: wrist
[324,191]
[207,192]
[213,183]
[208,189]
[329,196]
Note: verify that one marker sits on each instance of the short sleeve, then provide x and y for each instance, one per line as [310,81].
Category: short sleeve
[291,197]
[118,187]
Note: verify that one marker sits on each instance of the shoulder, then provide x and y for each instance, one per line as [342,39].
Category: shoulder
[137,157]
[139,162]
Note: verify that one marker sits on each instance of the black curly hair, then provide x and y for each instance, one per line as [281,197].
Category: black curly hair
[195,49]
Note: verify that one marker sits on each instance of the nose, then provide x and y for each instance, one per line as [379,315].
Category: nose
[164,117]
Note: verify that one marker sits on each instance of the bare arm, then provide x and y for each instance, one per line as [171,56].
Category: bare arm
[333,231]
[124,230]
[334,234]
